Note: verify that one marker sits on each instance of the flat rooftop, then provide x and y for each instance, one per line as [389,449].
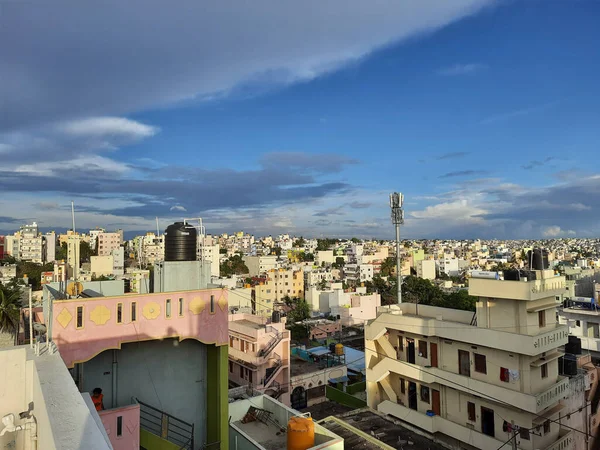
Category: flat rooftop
[301,367]
[587,312]
[383,429]
[266,434]
[249,324]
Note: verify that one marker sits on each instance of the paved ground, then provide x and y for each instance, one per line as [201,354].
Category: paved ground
[326,409]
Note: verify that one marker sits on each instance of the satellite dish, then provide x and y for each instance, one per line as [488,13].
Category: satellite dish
[75,288]
[39,327]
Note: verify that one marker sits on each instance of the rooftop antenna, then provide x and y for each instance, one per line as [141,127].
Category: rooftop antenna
[73,215]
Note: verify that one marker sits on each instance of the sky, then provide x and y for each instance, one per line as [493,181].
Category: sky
[278,116]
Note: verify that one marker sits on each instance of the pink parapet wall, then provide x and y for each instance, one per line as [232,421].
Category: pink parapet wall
[82,328]
[126,435]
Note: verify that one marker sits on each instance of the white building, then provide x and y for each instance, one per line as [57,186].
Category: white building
[50,247]
[153,249]
[258,265]
[208,249]
[73,256]
[31,245]
[448,266]
[426,269]
[359,273]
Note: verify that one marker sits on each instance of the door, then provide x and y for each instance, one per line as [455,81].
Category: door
[412,396]
[410,354]
[487,421]
[435,401]
[434,354]
[464,363]
[299,399]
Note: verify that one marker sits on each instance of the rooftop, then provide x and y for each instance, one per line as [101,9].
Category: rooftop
[250,324]
[385,430]
[270,436]
[301,367]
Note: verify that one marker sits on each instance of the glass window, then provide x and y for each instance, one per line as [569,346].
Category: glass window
[119,312]
[168,308]
[471,411]
[133,311]
[544,369]
[402,386]
[542,318]
[425,394]
[212,304]
[119,426]
[180,307]
[79,317]
[423,349]
[546,427]
[480,363]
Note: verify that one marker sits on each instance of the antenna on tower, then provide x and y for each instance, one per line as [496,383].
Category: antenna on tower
[73,215]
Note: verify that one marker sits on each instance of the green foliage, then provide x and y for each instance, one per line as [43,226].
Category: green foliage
[85,251]
[101,278]
[388,265]
[501,267]
[61,252]
[276,250]
[325,244]
[10,306]
[322,285]
[233,266]
[339,263]
[306,257]
[355,240]
[299,332]
[300,242]
[34,272]
[300,311]
[223,251]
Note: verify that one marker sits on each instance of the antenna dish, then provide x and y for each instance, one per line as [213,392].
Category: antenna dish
[74,288]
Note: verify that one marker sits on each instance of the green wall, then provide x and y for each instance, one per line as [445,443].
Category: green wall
[343,398]
[217,426]
[151,441]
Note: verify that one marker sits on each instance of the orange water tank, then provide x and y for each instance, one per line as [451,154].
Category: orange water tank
[300,433]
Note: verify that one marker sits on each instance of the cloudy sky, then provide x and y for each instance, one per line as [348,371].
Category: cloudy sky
[283,116]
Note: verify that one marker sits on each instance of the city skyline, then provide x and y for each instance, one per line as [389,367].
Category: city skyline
[302,120]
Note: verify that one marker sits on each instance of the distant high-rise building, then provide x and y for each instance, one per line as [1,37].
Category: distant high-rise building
[73,256]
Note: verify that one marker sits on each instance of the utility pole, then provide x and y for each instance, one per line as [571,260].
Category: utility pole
[396,201]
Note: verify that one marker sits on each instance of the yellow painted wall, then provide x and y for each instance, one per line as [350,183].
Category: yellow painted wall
[151,441]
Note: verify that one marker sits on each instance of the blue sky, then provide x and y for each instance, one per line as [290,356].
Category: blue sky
[302,118]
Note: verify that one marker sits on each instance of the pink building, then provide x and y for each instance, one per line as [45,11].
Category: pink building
[165,353]
[259,354]
[107,242]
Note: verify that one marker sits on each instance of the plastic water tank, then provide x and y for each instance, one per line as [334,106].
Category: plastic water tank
[300,433]
[276,317]
[339,349]
[180,242]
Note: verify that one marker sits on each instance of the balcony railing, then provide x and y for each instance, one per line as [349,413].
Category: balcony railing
[553,394]
[565,442]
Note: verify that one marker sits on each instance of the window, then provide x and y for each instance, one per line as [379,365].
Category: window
[471,411]
[402,386]
[231,341]
[230,367]
[546,427]
[578,323]
[524,432]
[180,307]
[480,363]
[133,311]
[400,343]
[119,426]
[544,369]
[542,318]
[425,394]
[250,376]
[119,312]
[212,304]
[504,374]
[168,308]
[79,317]
[423,349]
[241,372]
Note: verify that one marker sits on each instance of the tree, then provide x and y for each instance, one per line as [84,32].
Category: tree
[10,307]
[325,244]
[233,266]
[306,257]
[277,251]
[322,285]
[85,251]
[300,310]
[61,253]
[222,251]
[300,242]
[355,240]
[339,263]
[33,272]
[388,265]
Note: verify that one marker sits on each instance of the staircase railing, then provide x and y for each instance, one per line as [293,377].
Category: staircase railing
[275,368]
[272,343]
[166,426]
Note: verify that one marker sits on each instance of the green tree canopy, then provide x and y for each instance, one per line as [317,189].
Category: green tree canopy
[10,306]
[233,266]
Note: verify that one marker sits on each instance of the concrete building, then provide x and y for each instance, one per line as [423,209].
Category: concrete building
[93,234]
[7,272]
[324,256]
[180,275]
[357,308]
[209,250]
[448,266]
[118,256]
[259,355]
[107,242]
[101,266]
[31,244]
[73,258]
[426,269]
[358,273]
[469,376]
[280,283]
[166,352]
[584,323]
[315,277]
[139,281]
[258,265]
[50,247]
[39,397]
[11,245]
[257,420]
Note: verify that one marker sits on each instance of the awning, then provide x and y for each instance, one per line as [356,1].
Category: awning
[318,351]
[343,379]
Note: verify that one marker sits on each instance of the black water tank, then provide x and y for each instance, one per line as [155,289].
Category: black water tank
[567,365]
[537,259]
[573,347]
[511,275]
[276,317]
[180,242]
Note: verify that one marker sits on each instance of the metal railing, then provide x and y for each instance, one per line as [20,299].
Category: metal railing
[272,343]
[275,368]
[166,426]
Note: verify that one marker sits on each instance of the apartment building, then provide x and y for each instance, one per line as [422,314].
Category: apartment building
[208,250]
[258,265]
[583,320]
[152,248]
[472,377]
[425,269]
[31,245]
[448,266]
[358,273]
[317,276]
[73,256]
[107,242]
[259,354]
[280,283]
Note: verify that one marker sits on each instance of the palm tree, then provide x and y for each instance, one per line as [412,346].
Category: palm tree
[10,306]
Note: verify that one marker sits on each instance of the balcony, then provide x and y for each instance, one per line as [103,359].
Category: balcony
[591,344]
[517,290]
[533,403]
[564,442]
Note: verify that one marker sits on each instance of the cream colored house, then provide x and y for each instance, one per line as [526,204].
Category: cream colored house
[469,376]
[259,355]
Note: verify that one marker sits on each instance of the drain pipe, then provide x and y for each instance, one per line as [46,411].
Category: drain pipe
[9,427]
[115,367]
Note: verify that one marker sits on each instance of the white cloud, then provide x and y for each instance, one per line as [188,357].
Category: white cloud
[107,127]
[177,208]
[462,69]
[556,231]
[197,50]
